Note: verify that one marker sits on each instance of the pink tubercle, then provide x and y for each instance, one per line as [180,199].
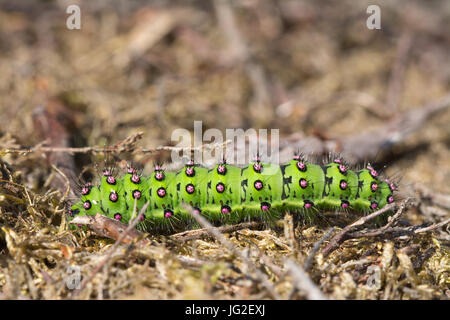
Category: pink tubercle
[159,175]
[338,161]
[390,199]
[258,185]
[189,171]
[374,205]
[343,185]
[168,214]
[221,169]
[392,186]
[301,166]
[303,183]
[85,191]
[190,188]
[135,178]
[111,180]
[265,207]
[118,216]
[342,168]
[161,192]
[142,218]
[137,194]
[220,187]
[225,210]
[257,167]
[344,205]
[373,172]
[307,205]
[113,196]
[374,187]
[87,205]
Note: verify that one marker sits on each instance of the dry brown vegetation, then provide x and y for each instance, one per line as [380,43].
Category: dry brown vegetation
[310,68]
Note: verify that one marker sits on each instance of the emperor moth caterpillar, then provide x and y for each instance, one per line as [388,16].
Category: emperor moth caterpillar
[229,194]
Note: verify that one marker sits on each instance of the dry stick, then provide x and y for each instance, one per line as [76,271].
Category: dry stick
[201,233]
[309,261]
[110,228]
[111,251]
[342,236]
[66,194]
[432,227]
[288,223]
[266,260]
[302,281]
[409,231]
[209,146]
[191,262]
[230,246]
[196,263]
[383,229]
[126,145]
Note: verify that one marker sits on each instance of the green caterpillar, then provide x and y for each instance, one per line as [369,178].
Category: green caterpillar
[229,194]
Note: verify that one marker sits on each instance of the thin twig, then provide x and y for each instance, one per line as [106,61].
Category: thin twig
[432,227]
[208,146]
[381,230]
[289,232]
[110,228]
[111,251]
[342,236]
[409,231]
[126,145]
[309,261]
[230,246]
[68,189]
[201,233]
[302,281]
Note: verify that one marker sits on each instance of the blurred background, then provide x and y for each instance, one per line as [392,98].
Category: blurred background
[309,68]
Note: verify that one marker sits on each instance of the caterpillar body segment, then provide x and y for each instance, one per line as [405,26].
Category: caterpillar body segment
[229,194]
